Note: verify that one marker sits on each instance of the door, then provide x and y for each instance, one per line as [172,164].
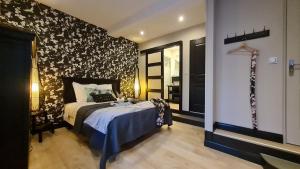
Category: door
[197,76]
[172,77]
[293,74]
[154,75]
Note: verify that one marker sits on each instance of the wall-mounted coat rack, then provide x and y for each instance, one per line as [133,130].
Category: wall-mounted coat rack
[248,36]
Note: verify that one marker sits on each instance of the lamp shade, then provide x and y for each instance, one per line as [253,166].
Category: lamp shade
[35,89]
[35,99]
[137,86]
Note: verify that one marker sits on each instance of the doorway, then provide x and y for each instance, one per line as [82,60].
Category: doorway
[293,72]
[164,74]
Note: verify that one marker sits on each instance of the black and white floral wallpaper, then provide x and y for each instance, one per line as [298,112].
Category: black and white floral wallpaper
[70,47]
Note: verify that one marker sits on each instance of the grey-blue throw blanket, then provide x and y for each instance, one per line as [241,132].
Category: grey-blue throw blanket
[121,130]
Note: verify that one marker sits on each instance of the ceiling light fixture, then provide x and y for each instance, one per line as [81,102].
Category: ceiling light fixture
[142,33]
[180,18]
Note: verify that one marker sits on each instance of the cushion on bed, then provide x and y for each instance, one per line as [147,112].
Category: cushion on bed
[103,97]
[89,91]
[82,91]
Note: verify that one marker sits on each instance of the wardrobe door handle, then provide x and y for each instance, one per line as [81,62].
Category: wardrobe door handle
[292,67]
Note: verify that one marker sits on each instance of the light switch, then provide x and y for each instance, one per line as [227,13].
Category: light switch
[273,60]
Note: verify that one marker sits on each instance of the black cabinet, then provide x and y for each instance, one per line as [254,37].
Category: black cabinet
[174,94]
[197,76]
[15,63]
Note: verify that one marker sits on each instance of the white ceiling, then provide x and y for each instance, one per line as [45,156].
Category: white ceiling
[128,17]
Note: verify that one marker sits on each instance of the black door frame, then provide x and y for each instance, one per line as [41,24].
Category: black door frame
[161,48]
[161,76]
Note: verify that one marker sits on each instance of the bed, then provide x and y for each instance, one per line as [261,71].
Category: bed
[129,122]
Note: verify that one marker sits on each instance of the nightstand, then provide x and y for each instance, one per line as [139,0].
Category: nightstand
[41,123]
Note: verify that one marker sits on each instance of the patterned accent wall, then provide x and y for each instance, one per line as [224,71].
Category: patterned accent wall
[70,47]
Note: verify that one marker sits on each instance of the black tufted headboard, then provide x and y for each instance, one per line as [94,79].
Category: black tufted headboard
[69,94]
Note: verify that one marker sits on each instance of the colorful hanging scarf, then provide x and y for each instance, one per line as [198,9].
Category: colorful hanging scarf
[252,89]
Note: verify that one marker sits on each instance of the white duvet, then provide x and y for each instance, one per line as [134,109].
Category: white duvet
[100,119]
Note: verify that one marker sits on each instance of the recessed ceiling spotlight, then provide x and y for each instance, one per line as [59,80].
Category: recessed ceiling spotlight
[142,33]
[180,18]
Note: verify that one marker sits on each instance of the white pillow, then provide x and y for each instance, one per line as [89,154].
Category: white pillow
[80,91]
[81,94]
[106,88]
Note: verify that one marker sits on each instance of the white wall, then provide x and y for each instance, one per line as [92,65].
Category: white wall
[185,35]
[209,65]
[232,71]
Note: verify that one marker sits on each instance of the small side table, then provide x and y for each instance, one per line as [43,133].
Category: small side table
[44,124]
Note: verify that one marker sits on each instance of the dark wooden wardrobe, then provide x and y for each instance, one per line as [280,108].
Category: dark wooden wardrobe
[15,64]
[197,76]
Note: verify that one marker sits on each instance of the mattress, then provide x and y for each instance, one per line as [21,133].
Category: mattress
[71,110]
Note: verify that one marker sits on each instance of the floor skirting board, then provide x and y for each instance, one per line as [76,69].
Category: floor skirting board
[247,151]
[188,121]
[188,113]
[250,132]
[231,146]
[201,115]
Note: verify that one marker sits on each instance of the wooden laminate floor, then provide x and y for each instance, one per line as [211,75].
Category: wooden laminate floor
[178,147]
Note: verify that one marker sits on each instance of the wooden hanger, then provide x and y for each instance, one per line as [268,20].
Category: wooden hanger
[243,48]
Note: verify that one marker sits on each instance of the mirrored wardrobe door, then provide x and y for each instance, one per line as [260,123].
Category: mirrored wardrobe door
[172,76]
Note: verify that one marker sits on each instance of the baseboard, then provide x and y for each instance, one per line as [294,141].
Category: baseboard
[231,146]
[250,132]
[188,121]
[247,151]
[268,166]
[188,113]
[193,114]
[234,152]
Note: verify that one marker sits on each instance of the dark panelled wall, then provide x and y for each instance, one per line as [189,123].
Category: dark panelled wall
[68,46]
